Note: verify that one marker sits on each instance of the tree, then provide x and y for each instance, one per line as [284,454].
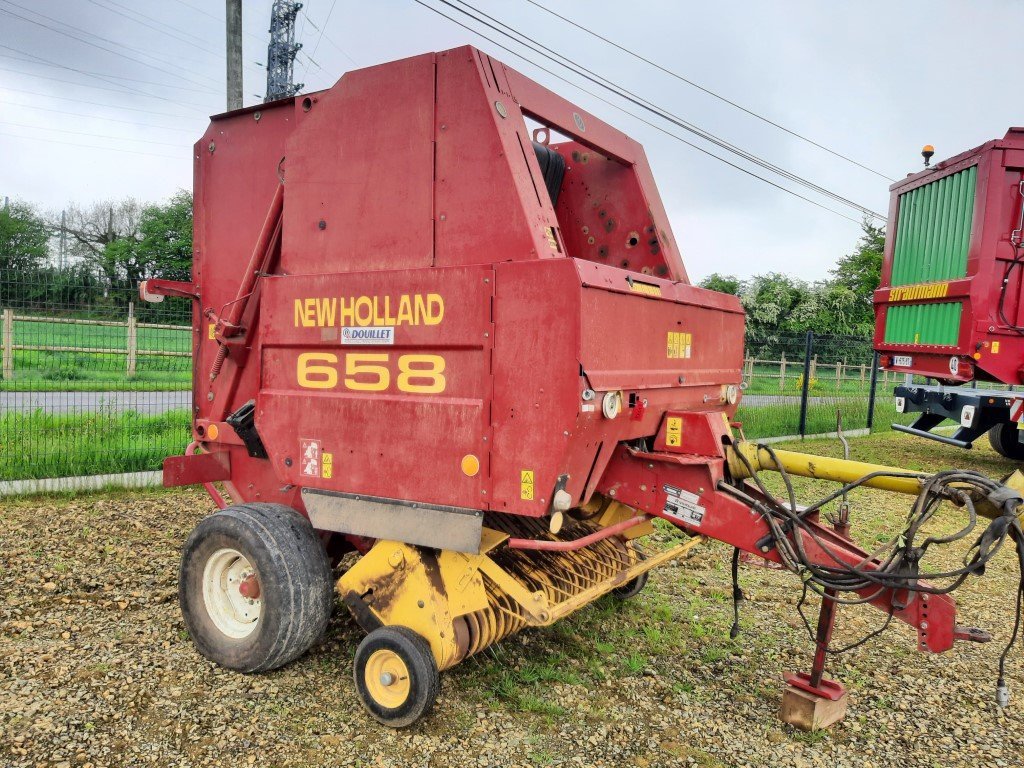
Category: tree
[24,238]
[772,303]
[722,283]
[861,271]
[162,246]
[95,227]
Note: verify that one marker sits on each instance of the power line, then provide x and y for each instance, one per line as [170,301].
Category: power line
[326,21]
[709,92]
[327,37]
[114,51]
[93,135]
[162,28]
[33,59]
[97,117]
[124,90]
[91,103]
[636,117]
[90,146]
[648,106]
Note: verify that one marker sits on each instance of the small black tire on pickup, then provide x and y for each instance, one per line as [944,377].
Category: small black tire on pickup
[255,586]
[396,675]
[1004,441]
[633,587]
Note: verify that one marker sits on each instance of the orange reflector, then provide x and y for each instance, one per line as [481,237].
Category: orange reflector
[213,432]
[470,465]
[977,355]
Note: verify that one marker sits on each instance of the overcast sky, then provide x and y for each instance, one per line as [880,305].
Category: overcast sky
[103,98]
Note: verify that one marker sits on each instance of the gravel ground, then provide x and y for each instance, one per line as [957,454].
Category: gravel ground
[96,668]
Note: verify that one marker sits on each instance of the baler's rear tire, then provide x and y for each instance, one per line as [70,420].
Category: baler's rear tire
[633,587]
[1004,441]
[255,586]
[396,676]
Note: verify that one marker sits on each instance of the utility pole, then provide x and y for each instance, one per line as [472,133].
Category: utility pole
[282,51]
[63,239]
[233,28]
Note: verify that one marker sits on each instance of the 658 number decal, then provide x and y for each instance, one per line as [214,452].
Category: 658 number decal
[372,372]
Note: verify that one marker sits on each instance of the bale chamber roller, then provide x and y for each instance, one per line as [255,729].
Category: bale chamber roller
[468,352]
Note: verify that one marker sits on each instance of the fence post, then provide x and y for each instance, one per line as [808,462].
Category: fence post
[871,392]
[807,382]
[814,366]
[863,369]
[133,339]
[782,373]
[839,374]
[8,343]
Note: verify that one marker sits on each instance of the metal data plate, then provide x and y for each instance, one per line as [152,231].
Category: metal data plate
[425,525]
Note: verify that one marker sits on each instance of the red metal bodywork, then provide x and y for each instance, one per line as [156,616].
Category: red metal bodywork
[418,179]
[419,322]
[987,348]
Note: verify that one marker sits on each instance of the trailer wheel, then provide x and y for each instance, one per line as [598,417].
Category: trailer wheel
[632,588]
[396,675]
[255,586]
[1004,441]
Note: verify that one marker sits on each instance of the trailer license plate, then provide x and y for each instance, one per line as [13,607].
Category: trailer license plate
[902,361]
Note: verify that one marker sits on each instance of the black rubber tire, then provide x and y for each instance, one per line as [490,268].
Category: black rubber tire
[1004,441]
[424,680]
[632,588]
[296,585]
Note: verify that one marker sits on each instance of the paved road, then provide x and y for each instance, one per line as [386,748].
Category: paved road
[152,403]
[148,403]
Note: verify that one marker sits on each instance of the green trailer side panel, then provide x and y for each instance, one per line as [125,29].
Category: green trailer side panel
[933,230]
[936,324]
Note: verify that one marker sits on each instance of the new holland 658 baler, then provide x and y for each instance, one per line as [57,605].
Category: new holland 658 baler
[470,354]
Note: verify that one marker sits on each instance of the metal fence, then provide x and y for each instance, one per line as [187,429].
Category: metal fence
[95,383]
[805,384]
[92,382]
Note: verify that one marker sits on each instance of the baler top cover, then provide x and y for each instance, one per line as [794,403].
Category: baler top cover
[442,307]
[949,305]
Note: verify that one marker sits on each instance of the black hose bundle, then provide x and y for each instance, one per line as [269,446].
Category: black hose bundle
[896,564]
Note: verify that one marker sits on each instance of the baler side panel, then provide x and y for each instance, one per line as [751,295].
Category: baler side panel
[489,197]
[236,175]
[361,161]
[604,216]
[537,382]
[551,109]
[396,418]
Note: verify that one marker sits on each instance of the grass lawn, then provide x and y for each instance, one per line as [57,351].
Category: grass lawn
[92,371]
[40,445]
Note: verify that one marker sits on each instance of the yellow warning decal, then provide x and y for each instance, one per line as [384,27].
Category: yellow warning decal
[918,292]
[526,484]
[679,344]
[995,347]
[673,431]
[211,331]
[326,465]
[647,289]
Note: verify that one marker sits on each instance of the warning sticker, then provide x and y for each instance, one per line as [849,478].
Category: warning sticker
[309,458]
[683,506]
[679,345]
[211,331]
[526,484]
[326,465]
[674,431]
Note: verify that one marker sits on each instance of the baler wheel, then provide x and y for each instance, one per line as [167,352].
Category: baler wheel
[632,588]
[1004,440]
[255,586]
[396,675]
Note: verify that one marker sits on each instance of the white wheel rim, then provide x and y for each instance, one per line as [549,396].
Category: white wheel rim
[232,613]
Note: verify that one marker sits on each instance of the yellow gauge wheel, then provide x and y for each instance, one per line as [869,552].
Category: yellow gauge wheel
[387,678]
[396,675]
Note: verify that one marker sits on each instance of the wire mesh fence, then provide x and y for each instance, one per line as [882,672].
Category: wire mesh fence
[92,382]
